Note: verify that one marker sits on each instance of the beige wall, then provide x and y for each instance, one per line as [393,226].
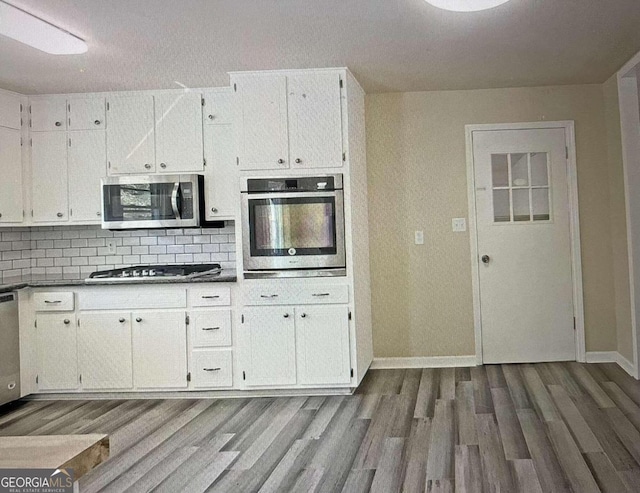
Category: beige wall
[618,220]
[422,297]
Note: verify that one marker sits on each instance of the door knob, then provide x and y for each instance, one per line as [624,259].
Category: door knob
[485,259]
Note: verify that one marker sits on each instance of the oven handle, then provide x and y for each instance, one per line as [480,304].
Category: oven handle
[174,200]
[291,195]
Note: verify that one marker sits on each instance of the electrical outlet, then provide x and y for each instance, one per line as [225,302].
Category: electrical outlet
[459,224]
[111,246]
[419,237]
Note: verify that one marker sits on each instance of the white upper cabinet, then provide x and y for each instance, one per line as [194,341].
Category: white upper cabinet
[87,164]
[130,134]
[47,115]
[217,108]
[11,204]
[322,339]
[263,122]
[49,176]
[86,114]
[10,111]
[222,190]
[179,133]
[315,120]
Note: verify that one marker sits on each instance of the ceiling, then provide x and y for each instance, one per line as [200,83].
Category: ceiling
[390,45]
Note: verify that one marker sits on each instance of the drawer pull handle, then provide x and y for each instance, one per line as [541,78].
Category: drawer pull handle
[54,302]
[210,328]
[211,297]
[268,296]
[212,369]
[321,294]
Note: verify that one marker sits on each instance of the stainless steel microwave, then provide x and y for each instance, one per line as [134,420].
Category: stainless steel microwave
[152,201]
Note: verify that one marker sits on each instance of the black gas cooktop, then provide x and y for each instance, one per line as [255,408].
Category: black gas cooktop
[154,271]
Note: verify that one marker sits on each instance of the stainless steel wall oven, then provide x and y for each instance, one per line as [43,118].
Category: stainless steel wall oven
[293,226]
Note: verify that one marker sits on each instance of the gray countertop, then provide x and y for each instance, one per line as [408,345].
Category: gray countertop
[37,282]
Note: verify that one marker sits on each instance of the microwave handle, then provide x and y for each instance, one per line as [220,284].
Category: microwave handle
[174,200]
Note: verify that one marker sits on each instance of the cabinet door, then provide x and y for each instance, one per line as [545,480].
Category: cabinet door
[10,112]
[159,350]
[315,120]
[86,114]
[104,351]
[218,108]
[179,133]
[130,135]
[322,335]
[271,351]
[49,176]
[57,351]
[222,190]
[11,205]
[87,164]
[263,122]
[48,115]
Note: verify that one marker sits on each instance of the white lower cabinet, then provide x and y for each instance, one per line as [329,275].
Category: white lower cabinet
[104,351]
[322,345]
[57,351]
[211,368]
[159,350]
[271,346]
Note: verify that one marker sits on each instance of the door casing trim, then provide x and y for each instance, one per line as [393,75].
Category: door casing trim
[574,226]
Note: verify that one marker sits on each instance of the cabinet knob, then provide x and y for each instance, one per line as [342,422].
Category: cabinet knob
[147,166]
[286,315]
[163,165]
[138,319]
[304,315]
[211,117]
[0,214]
[280,161]
[67,321]
[213,209]
[298,160]
[98,214]
[97,122]
[122,320]
[59,214]
[58,124]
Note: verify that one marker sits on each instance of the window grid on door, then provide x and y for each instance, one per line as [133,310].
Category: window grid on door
[520,187]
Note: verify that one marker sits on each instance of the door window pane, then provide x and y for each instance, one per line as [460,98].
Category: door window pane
[539,169]
[500,170]
[519,170]
[521,210]
[501,206]
[540,199]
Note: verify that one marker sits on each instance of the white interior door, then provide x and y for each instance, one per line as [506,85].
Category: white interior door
[524,245]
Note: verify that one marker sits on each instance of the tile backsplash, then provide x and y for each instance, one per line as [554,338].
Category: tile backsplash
[74,252]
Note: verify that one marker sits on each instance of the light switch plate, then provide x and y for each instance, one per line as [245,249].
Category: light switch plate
[419,237]
[459,224]
[111,246]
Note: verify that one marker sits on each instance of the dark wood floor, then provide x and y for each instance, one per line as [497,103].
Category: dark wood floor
[503,428]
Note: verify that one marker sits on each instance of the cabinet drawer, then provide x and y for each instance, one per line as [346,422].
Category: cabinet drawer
[210,296]
[211,328]
[212,368]
[295,295]
[54,301]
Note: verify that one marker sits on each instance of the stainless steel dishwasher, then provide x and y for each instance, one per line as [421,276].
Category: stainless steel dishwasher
[9,349]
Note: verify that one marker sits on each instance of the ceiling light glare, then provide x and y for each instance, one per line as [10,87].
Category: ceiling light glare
[466,5]
[33,31]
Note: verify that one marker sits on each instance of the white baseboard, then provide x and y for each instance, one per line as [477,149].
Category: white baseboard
[612,357]
[423,362]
